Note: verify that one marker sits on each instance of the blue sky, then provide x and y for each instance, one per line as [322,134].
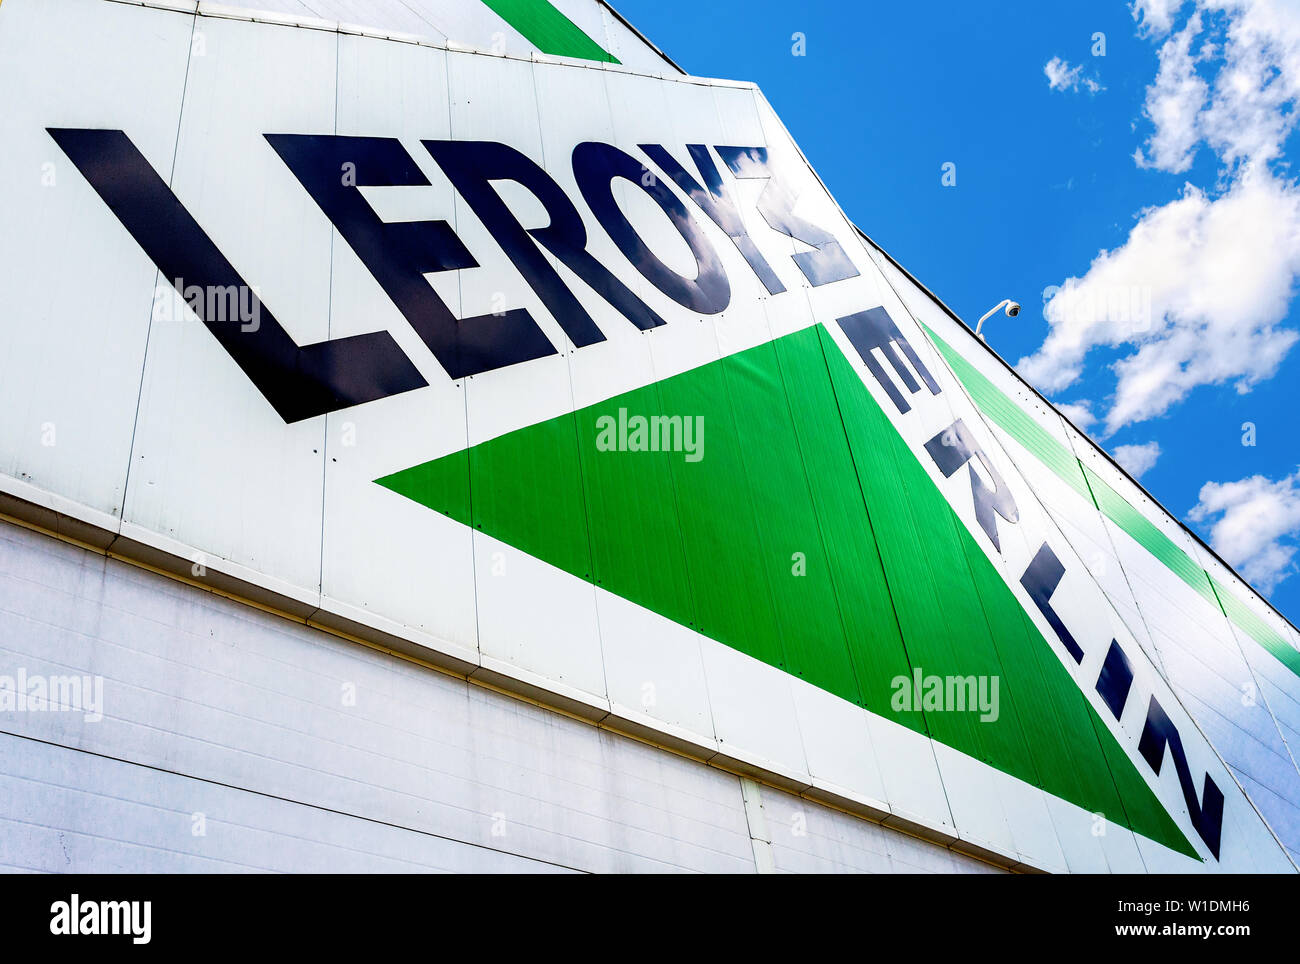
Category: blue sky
[1195,302]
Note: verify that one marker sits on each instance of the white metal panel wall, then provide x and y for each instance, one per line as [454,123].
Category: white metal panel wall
[1203,658]
[66,811]
[199,427]
[292,750]
[468,23]
[378,567]
[533,618]
[67,410]
[397,17]
[816,840]
[221,694]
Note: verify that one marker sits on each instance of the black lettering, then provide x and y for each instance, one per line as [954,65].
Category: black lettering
[298,382]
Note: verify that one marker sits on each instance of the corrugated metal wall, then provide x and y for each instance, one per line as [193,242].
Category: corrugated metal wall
[237,740]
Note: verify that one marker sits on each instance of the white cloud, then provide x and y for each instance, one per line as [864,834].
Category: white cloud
[1137,459]
[1198,292]
[1173,103]
[1252,109]
[1250,519]
[1247,111]
[1080,413]
[1155,16]
[1061,76]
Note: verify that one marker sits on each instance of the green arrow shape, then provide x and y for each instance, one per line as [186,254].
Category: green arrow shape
[795,525]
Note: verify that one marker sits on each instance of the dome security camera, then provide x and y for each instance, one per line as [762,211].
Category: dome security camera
[1012,309]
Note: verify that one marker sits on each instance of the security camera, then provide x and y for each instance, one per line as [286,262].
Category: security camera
[1012,309]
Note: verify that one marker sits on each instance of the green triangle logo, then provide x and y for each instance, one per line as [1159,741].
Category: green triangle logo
[797,527]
